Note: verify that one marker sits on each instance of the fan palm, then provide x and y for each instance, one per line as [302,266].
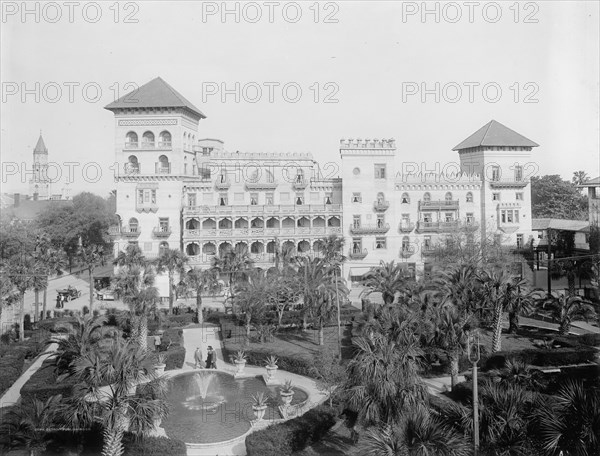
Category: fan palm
[254,294]
[458,285]
[132,256]
[171,261]
[387,279]
[105,395]
[92,256]
[565,309]
[201,281]
[237,266]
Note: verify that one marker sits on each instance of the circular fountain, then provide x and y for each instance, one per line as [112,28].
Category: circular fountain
[211,406]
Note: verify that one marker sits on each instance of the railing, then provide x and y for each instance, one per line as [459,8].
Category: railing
[131,168]
[222,185]
[381,206]
[114,230]
[130,232]
[148,145]
[508,182]
[277,210]
[225,233]
[370,229]
[300,184]
[131,145]
[161,231]
[162,168]
[428,227]
[164,144]
[406,227]
[438,205]
[357,254]
[407,252]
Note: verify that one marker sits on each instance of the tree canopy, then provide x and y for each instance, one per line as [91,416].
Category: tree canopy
[553,197]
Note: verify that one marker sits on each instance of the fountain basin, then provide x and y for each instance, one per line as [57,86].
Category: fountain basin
[212,406]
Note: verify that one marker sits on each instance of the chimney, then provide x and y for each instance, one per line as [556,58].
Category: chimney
[17,199]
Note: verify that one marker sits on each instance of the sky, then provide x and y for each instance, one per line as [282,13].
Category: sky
[428,74]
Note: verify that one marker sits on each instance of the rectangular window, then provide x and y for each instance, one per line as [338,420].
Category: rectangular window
[299,199]
[469,197]
[495,196]
[509,216]
[356,245]
[519,241]
[238,197]
[518,173]
[427,242]
[153,196]
[356,221]
[427,217]
[449,217]
[253,199]
[285,197]
[191,199]
[380,171]
[269,199]
[380,243]
[495,173]
[516,216]
[163,223]
[356,198]
[328,198]
[503,216]
[380,221]
[470,218]
[146,196]
[405,244]
[223,199]
[519,196]
[140,196]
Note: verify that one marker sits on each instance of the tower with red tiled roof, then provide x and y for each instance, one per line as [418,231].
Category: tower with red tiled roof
[39,184]
[503,159]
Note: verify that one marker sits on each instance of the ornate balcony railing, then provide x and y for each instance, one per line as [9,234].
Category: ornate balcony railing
[381,206]
[162,168]
[222,185]
[434,227]
[114,230]
[161,231]
[300,184]
[131,145]
[275,210]
[130,232]
[370,229]
[164,144]
[236,233]
[261,185]
[438,205]
[357,254]
[509,182]
[147,145]
[406,227]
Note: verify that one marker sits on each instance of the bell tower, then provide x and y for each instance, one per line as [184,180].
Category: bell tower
[39,184]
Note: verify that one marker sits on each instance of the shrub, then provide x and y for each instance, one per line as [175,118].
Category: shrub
[153,446]
[292,435]
[541,357]
[57,325]
[175,358]
[42,384]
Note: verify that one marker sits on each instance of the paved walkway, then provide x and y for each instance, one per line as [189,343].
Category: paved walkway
[12,395]
[208,334]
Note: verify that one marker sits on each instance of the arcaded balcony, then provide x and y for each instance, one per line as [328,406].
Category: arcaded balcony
[381,206]
[406,227]
[161,231]
[300,184]
[438,205]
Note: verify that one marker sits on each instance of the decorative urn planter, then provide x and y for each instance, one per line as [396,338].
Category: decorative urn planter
[239,366]
[271,373]
[286,397]
[259,411]
[159,369]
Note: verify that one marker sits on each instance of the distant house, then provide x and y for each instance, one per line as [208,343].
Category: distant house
[581,228]
[29,209]
[593,186]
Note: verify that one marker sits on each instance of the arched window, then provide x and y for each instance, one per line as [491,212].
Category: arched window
[380,198]
[469,197]
[163,165]
[132,167]
[163,247]
[192,249]
[164,139]
[448,197]
[299,175]
[131,140]
[133,225]
[270,178]
[405,244]
[427,197]
[148,139]
[405,198]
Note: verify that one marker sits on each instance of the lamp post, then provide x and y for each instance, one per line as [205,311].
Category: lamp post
[474,356]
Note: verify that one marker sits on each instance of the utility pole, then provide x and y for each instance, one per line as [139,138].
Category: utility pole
[474,356]
[337,298]
[549,247]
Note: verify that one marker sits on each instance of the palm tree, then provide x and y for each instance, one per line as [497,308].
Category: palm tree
[565,309]
[21,272]
[26,424]
[383,379]
[201,281]
[458,285]
[132,256]
[254,296]
[450,334]
[387,279]
[418,433]
[135,285]
[92,256]
[520,303]
[569,421]
[54,261]
[107,394]
[236,265]
[170,261]
[519,373]
[332,248]
[579,177]
[499,288]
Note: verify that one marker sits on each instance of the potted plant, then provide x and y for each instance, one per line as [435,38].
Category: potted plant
[260,405]
[240,361]
[159,367]
[287,392]
[271,367]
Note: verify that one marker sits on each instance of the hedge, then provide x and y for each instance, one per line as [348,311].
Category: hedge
[12,360]
[541,357]
[42,384]
[293,435]
[153,446]
[176,351]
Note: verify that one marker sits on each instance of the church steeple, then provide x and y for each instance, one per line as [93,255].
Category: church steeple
[40,147]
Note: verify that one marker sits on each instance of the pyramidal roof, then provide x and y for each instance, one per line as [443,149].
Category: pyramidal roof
[40,147]
[495,134]
[154,94]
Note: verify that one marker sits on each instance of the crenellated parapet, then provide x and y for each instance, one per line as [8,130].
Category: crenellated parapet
[262,156]
[368,143]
